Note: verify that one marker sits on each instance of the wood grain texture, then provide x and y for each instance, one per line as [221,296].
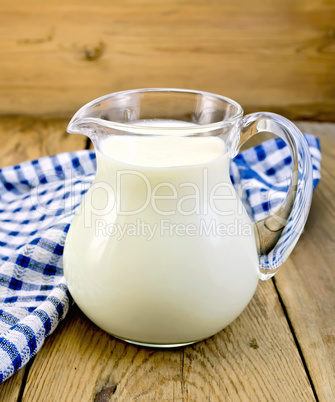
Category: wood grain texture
[254,359]
[307,281]
[10,389]
[268,55]
[25,138]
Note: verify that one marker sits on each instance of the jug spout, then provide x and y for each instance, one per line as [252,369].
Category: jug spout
[98,128]
[92,127]
[105,115]
[80,126]
[90,122]
[86,120]
[95,128]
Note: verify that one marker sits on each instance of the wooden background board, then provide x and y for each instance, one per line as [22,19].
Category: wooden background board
[271,55]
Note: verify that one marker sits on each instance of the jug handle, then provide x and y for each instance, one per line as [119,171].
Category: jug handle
[277,234]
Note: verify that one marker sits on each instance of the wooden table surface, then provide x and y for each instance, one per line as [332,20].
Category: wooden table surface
[281,348]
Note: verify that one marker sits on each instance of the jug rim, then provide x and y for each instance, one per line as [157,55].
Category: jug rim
[135,128]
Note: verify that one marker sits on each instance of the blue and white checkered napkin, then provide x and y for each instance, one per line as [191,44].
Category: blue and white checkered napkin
[37,203]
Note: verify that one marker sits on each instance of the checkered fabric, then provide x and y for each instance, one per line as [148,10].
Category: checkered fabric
[38,200]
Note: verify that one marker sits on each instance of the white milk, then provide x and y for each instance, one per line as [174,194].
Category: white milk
[167,270]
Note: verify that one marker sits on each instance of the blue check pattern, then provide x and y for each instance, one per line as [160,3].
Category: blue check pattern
[38,200]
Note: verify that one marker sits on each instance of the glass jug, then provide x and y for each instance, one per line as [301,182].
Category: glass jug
[162,251]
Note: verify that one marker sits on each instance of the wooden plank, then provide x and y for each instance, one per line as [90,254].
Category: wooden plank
[277,56]
[307,282]
[10,389]
[25,138]
[253,359]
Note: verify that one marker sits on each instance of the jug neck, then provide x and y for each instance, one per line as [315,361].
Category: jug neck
[193,113]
